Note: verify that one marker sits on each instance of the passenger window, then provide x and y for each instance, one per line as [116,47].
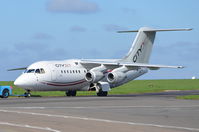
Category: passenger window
[61,71]
[37,71]
[67,71]
[79,71]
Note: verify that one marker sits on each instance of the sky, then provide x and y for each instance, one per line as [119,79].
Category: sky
[36,30]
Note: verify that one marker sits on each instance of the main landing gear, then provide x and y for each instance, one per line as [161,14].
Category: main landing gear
[102,93]
[71,93]
[27,94]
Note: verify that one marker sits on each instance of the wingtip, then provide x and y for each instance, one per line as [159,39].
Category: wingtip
[189,29]
[181,67]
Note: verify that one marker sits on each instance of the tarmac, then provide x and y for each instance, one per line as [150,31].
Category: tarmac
[125,113]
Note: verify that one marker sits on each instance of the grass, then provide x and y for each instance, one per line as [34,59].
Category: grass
[133,87]
[148,86]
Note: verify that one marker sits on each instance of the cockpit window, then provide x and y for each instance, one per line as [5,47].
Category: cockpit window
[25,71]
[38,71]
[42,70]
[30,71]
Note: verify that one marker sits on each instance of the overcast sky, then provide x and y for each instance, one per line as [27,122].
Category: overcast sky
[34,30]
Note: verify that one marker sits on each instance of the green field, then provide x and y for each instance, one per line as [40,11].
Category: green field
[133,87]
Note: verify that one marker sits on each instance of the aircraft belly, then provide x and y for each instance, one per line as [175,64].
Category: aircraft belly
[61,86]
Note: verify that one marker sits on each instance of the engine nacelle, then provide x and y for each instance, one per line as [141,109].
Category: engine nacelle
[95,74]
[117,75]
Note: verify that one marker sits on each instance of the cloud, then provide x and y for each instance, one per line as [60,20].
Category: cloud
[38,51]
[20,47]
[187,51]
[72,6]
[42,36]
[180,51]
[77,29]
[113,28]
[91,53]
[128,10]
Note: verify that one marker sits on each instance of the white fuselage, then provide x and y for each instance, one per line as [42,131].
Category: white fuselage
[61,76]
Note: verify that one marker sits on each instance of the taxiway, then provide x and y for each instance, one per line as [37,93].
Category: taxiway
[108,114]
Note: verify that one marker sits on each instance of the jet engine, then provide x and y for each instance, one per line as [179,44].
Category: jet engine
[95,74]
[117,75]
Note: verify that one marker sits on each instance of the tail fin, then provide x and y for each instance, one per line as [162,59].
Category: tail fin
[143,43]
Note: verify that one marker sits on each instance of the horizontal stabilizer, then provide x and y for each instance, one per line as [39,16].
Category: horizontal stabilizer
[156,30]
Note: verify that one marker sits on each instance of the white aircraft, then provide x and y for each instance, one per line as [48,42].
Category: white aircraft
[93,75]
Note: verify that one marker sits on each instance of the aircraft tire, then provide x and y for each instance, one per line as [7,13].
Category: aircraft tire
[102,93]
[71,93]
[27,94]
[67,93]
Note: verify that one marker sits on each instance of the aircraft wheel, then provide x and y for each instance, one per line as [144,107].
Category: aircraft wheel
[102,93]
[67,93]
[5,93]
[71,93]
[27,94]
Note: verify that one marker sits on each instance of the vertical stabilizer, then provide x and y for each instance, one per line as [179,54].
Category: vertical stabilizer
[142,46]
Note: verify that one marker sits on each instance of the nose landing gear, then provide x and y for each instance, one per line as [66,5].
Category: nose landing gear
[27,94]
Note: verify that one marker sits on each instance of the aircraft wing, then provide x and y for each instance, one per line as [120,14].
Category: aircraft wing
[22,68]
[89,64]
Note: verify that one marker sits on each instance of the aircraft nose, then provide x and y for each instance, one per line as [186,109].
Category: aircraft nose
[19,82]
[25,81]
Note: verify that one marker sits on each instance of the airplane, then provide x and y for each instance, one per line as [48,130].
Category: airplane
[100,75]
